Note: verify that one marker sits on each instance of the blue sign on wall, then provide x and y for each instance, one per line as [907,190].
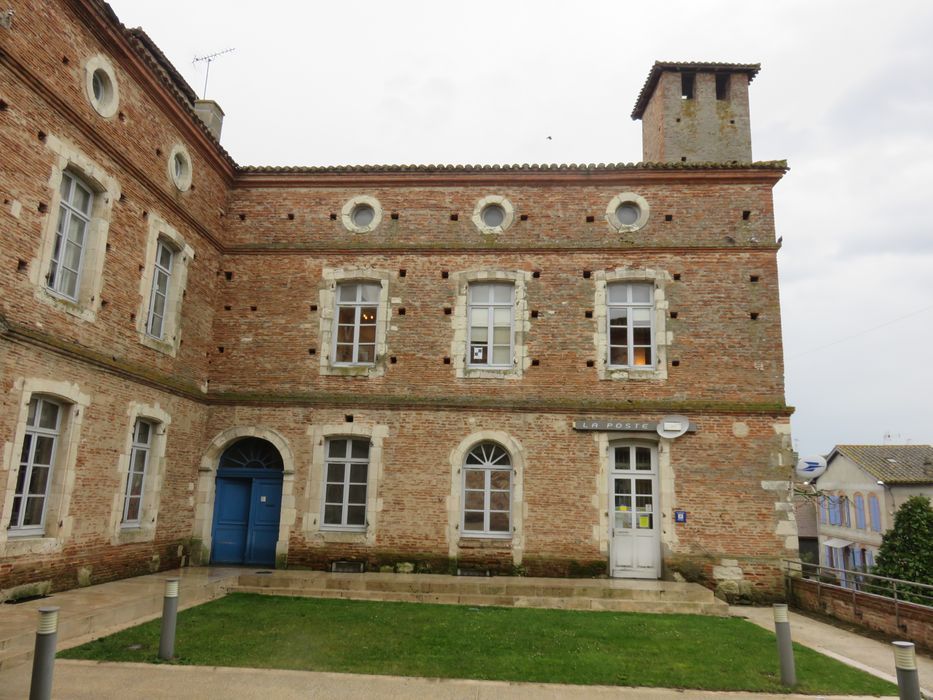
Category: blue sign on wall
[680,516]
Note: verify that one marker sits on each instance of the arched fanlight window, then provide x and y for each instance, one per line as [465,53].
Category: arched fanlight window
[487,491]
[251,453]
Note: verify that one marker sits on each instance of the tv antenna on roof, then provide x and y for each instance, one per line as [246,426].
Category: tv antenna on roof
[209,58]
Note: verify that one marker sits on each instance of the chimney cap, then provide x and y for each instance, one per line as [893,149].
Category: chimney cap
[659,67]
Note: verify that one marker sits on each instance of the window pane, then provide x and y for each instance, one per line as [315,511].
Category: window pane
[502,336]
[643,460]
[158,304]
[27,445]
[161,282]
[347,292]
[68,283]
[368,334]
[618,293]
[479,293]
[32,513]
[368,314]
[43,450]
[498,522]
[623,520]
[357,495]
[645,521]
[623,458]
[499,500]
[618,336]
[345,334]
[358,473]
[132,509]
[65,189]
[360,451]
[165,257]
[478,354]
[346,315]
[48,417]
[366,354]
[500,479]
[72,258]
[356,515]
[136,484]
[479,334]
[38,480]
[344,353]
[641,293]
[371,293]
[472,520]
[502,293]
[618,317]
[479,317]
[335,472]
[501,356]
[333,493]
[502,317]
[642,357]
[142,432]
[332,515]
[81,200]
[475,479]
[641,315]
[155,326]
[139,461]
[336,448]
[618,356]
[641,336]
[473,500]
[31,415]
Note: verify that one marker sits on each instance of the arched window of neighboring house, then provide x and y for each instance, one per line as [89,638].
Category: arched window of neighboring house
[874,511]
[859,511]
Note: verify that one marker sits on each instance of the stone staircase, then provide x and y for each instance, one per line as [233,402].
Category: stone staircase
[619,595]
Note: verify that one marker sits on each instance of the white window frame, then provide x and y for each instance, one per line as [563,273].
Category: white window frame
[348,461]
[32,433]
[67,214]
[630,306]
[357,305]
[161,237]
[486,467]
[144,448]
[161,272]
[490,307]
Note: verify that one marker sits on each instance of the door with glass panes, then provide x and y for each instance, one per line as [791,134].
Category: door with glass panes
[634,522]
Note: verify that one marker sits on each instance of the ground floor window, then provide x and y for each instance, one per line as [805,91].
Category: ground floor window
[40,442]
[136,476]
[487,491]
[346,478]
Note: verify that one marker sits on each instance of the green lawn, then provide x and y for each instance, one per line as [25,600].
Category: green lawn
[512,644]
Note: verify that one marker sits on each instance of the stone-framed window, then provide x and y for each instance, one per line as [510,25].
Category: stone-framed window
[361,214]
[487,492]
[162,287]
[363,338]
[481,294]
[323,500]
[627,212]
[621,350]
[493,214]
[463,458]
[100,85]
[140,474]
[39,467]
[68,272]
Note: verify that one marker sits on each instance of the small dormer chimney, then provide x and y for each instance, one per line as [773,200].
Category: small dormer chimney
[696,113]
[211,114]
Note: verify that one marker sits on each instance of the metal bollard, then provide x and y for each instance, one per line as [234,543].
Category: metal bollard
[169,617]
[784,645]
[908,679]
[43,661]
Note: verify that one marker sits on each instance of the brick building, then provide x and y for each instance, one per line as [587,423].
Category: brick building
[450,367]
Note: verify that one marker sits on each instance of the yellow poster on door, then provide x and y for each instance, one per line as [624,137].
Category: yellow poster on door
[644,521]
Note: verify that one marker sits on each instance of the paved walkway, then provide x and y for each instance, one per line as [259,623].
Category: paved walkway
[874,657]
[93,609]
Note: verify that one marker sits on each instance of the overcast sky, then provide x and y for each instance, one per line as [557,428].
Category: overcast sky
[844,95]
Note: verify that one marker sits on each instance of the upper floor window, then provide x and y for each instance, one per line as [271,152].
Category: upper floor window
[491,316]
[823,504]
[844,511]
[487,491]
[37,458]
[859,511]
[74,217]
[159,299]
[356,317]
[346,477]
[874,512]
[136,476]
[630,328]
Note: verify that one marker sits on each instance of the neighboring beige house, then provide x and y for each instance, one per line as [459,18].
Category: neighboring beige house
[861,490]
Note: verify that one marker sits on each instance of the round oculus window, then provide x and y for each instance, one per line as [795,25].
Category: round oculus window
[101,86]
[627,213]
[363,215]
[493,215]
[179,167]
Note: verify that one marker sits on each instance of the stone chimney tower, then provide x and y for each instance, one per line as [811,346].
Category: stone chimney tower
[696,113]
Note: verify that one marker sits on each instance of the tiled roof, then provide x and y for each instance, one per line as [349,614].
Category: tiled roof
[661,66]
[892,464]
[523,167]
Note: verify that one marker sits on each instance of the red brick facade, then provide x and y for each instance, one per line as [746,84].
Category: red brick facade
[267,243]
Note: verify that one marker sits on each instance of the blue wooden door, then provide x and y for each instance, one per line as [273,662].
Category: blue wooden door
[264,521]
[231,520]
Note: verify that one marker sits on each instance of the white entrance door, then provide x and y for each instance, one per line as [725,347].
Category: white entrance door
[634,520]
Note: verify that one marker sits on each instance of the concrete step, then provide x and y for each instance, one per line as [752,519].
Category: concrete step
[569,594]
